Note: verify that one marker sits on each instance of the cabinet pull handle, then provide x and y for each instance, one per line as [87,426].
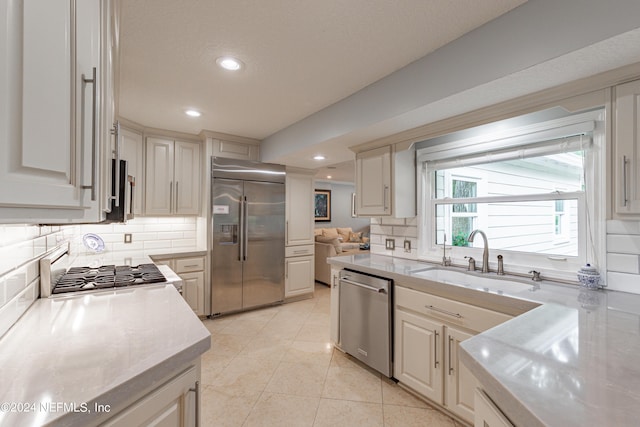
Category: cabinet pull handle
[625,161]
[191,266]
[94,82]
[450,364]
[386,191]
[176,210]
[448,313]
[286,270]
[196,390]
[170,196]
[435,348]
[116,190]
[286,232]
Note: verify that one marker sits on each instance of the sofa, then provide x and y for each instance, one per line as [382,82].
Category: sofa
[335,241]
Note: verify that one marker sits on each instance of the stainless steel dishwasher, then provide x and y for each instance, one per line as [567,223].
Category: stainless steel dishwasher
[365,319]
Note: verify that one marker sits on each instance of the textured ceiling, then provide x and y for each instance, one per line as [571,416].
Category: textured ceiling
[300,55]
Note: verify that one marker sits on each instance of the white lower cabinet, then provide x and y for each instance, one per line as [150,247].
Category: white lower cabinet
[298,279]
[299,269]
[334,321]
[192,272]
[428,333]
[418,354]
[174,404]
[459,381]
[487,414]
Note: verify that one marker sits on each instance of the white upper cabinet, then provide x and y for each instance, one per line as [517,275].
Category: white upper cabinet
[373,182]
[131,146]
[232,146]
[172,184]
[386,183]
[299,209]
[52,135]
[626,136]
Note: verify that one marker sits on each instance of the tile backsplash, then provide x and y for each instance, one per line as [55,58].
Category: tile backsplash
[623,256]
[623,248]
[398,229]
[147,233]
[22,246]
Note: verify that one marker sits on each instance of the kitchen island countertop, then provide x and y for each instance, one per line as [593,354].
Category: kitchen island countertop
[98,348]
[570,357]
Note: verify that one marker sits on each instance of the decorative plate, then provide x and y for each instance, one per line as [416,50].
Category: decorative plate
[93,242]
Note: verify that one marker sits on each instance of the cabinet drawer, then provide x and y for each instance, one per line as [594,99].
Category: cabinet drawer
[185,265]
[457,313]
[290,251]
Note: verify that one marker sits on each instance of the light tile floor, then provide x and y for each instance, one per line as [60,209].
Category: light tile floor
[275,367]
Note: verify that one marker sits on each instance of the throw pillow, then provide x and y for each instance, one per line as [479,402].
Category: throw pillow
[317,231]
[330,232]
[330,240]
[355,237]
[344,233]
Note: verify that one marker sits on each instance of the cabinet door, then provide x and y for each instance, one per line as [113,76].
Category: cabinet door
[171,405]
[236,150]
[132,148]
[186,192]
[159,177]
[334,328]
[459,381]
[373,182]
[418,354]
[299,211]
[487,414]
[627,147]
[298,276]
[41,152]
[193,291]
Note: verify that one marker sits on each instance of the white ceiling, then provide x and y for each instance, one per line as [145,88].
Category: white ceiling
[300,56]
[308,85]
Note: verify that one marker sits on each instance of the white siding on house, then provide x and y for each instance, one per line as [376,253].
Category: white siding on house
[517,226]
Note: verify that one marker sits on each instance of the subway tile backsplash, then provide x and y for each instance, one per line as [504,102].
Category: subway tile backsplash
[147,233]
[398,229]
[623,248]
[22,246]
[623,256]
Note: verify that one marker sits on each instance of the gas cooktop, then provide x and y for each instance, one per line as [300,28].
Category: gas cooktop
[107,276]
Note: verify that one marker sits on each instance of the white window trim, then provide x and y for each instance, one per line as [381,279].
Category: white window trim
[592,233]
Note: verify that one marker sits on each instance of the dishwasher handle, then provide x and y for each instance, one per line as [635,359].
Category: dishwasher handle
[362,285]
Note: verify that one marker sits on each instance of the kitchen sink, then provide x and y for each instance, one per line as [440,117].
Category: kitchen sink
[493,283]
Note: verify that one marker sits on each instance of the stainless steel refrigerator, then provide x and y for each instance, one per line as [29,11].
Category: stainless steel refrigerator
[248,238]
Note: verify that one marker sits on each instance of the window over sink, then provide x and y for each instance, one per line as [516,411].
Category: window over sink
[535,190]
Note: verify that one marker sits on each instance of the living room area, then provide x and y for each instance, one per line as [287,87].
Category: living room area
[337,230]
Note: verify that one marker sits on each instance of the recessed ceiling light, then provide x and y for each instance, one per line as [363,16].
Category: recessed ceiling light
[328,176]
[229,63]
[193,113]
[319,157]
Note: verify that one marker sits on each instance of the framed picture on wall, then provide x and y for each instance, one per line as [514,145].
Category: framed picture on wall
[322,205]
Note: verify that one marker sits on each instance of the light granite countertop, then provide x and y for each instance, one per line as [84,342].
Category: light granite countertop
[96,348]
[570,357]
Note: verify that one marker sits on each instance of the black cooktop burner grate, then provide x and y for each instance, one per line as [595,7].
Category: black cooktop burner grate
[109,276]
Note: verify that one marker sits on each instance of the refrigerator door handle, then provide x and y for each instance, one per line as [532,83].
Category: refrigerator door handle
[242,231]
[245,229]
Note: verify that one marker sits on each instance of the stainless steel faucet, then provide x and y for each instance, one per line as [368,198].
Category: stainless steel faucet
[485,254]
[446,261]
